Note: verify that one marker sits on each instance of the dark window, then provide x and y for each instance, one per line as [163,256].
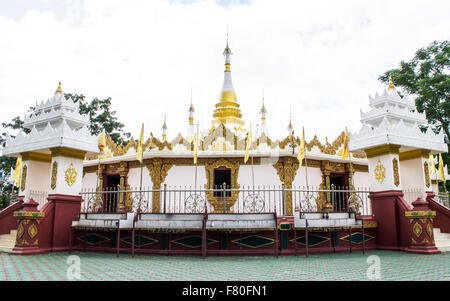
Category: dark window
[339,182]
[111,197]
[222,176]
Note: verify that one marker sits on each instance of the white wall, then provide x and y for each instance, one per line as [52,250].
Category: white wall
[90,181]
[134,178]
[265,175]
[184,176]
[314,177]
[361,180]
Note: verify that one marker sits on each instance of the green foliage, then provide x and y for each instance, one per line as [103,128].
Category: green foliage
[427,76]
[101,117]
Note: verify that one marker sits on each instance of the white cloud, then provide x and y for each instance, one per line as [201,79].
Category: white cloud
[321,57]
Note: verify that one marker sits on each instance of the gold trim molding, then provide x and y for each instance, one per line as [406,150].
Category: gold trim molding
[68,152]
[414,154]
[35,156]
[382,150]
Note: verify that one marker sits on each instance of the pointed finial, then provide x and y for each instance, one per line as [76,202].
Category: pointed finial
[391,84]
[59,90]
[263,108]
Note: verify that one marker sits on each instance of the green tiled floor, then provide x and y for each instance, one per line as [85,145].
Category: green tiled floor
[341,266]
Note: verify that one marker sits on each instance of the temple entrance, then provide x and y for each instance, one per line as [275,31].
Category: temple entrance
[221,176]
[111,197]
[339,182]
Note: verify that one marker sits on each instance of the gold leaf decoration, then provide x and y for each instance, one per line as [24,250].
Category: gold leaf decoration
[417,229]
[396,174]
[427,174]
[54,174]
[71,175]
[32,231]
[380,172]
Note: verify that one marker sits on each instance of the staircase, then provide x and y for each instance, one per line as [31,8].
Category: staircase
[441,240]
[7,241]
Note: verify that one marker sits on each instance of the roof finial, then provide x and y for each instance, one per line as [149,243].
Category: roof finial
[59,90]
[391,84]
[164,128]
[290,127]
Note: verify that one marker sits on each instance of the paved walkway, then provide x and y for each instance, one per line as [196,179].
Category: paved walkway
[341,266]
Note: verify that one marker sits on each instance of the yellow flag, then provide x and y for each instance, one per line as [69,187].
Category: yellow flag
[345,154]
[102,142]
[17,172]
[139,152]
[431,165]
[441,168]
[248,144]
[196,145]
[302,151]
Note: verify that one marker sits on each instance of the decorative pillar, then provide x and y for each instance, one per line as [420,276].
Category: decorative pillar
[287,170]
[158,172]
[323,204]
[123,172]
[65,188]
[421,228]
[27,239]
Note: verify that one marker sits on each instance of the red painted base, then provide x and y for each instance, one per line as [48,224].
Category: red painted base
[27,251]
[423,250]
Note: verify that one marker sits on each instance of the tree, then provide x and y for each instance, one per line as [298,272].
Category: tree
[101,117]
[427,76]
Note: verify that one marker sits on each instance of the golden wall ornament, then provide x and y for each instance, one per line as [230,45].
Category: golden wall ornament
[396,173]
[24,178]
[54,174]
[20,231]
[287,170]
[32,231]
[417,229]
[71,175]
[380,172]
[427,174]
[430,230]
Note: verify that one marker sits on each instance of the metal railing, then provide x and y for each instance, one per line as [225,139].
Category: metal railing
[257,199]
[39,197]
[412,194]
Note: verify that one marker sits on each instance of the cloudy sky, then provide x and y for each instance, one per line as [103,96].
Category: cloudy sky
[319,58]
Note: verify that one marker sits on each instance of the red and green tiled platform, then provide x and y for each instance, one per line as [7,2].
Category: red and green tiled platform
[338,266]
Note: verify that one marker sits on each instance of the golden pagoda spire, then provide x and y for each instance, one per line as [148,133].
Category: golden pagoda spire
[59,90]
[227,109]
[391,84]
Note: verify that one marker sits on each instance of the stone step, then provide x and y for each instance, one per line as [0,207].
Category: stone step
[444,249]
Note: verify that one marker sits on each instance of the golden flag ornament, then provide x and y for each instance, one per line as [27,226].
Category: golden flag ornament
[441,168]
[345,154]
[196,145]
[431,165]
[102,142]
[302,150]
[249,143]
[17,172]
[139,152]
